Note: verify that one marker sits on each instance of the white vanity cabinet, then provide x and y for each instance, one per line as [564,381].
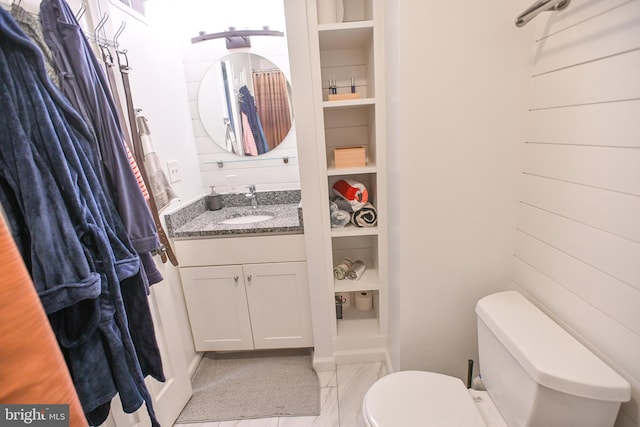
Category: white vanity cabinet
[246,293]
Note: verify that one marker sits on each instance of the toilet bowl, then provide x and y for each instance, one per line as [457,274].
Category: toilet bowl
[536,375]
[417,398]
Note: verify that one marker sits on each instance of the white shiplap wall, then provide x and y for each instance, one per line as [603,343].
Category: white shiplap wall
[577,250]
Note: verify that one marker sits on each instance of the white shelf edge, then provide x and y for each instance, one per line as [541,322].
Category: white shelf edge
[345,103]
[333,171]
[345,25]
[352,230]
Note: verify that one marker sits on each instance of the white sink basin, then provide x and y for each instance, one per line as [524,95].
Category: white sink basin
[248,219]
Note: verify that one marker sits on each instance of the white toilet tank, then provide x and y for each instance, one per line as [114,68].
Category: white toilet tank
[537,374]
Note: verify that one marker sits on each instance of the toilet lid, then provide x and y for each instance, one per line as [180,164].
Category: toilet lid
[417,398]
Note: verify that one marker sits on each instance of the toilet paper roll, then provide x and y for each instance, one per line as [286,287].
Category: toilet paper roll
[364,301]
[345,298]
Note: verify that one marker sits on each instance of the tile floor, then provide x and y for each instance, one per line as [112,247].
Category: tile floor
[341,394]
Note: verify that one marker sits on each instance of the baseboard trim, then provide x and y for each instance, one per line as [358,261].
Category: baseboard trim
[193,365]
[324,364]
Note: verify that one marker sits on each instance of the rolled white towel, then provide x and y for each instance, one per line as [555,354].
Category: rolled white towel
[356,270]
[339,217]
[365,217]
[341,270]
[352,191]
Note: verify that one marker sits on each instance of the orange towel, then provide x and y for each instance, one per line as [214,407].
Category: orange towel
[32,367]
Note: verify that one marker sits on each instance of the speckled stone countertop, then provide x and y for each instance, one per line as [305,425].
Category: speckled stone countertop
[195,221]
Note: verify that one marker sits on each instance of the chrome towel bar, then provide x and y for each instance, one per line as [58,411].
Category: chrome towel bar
[538,7]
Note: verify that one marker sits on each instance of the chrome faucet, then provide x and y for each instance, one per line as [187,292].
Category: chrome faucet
[253,196]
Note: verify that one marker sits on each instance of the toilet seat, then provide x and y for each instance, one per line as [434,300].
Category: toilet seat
[417,398]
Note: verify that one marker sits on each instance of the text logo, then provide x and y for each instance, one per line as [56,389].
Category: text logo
[34,415]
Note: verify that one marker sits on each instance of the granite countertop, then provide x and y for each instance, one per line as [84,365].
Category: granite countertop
[195,221]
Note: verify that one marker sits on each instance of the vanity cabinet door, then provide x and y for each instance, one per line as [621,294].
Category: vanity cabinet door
[217,305]
[278,297]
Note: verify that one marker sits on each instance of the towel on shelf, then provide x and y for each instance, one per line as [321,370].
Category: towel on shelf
[353,192]
[339,217]
[365,217]
[340,271]
[356,270]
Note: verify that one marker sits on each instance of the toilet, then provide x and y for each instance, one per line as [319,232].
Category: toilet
[535,374]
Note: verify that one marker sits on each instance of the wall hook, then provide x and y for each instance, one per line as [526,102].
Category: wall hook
[81,11]
[285,159]
[100,25]
[220,163]
[116,36]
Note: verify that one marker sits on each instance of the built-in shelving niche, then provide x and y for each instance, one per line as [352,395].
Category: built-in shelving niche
[359,247]
[367,179]
[346,53]
[350,126]
[357,325]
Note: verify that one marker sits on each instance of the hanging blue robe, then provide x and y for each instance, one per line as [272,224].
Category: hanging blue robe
[71,238]
[248,106]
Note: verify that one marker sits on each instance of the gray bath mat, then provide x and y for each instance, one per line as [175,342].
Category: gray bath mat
[260,384]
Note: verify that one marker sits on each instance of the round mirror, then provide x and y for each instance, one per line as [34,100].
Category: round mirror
[244,105]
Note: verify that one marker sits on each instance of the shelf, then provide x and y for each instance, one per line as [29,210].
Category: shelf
[349,103]
[337,26]
[352,230]
[332,170]
[368,282]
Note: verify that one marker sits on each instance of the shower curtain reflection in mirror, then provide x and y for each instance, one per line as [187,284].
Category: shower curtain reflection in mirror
[272,103]
[256,111]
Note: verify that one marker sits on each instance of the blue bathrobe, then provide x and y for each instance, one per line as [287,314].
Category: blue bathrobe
[248,106]
[85,85]
[70,236]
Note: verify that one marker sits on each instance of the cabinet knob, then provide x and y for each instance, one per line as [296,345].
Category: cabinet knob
[236,278]
[249,277]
